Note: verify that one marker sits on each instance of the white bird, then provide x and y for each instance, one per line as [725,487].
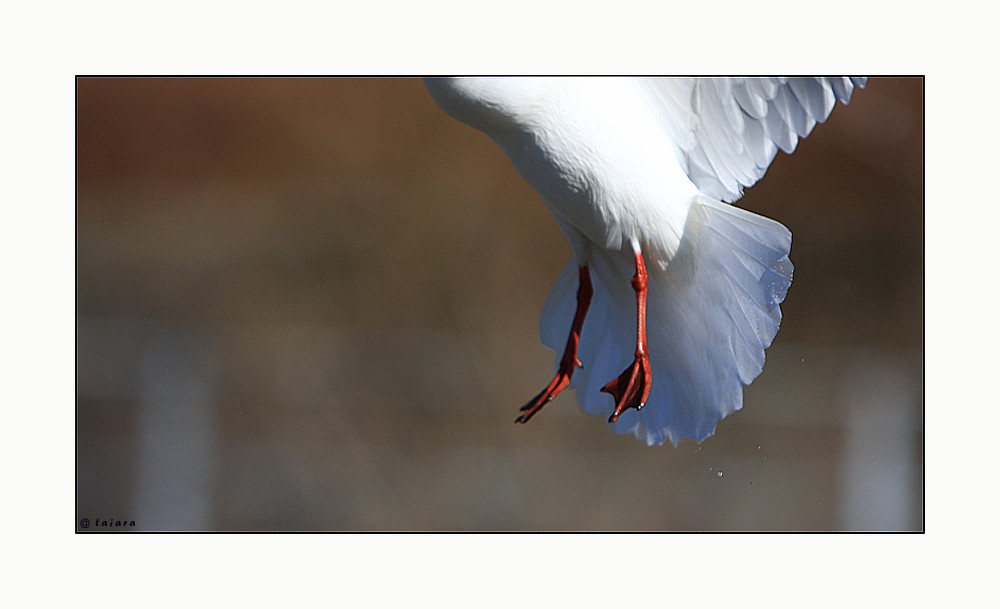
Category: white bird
[639,171]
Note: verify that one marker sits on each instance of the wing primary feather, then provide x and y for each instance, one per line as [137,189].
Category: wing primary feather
[750,103]
[764,88]
[761,148]
[724,89]
[795,114]
[777,129]
[842,87]
[814,96]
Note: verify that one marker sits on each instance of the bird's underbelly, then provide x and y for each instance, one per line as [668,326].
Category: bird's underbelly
[609,200]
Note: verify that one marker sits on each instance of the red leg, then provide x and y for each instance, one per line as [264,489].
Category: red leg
[569,361]
[631,388]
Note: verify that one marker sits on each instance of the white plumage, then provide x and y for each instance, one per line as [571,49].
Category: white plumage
[641,169]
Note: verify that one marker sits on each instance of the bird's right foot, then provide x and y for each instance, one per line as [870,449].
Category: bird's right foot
[560,382]
[569,361]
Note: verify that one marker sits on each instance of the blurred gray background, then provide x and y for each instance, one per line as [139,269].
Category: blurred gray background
[312,304]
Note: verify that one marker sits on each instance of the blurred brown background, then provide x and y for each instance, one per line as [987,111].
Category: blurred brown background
[312,304]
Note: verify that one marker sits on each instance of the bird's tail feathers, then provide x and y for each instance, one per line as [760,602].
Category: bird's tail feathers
[710,315]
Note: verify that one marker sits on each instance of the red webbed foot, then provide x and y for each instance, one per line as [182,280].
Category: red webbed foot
[631,388]
[569,361]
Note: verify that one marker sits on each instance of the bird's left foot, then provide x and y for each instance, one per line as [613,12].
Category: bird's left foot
[631,388]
